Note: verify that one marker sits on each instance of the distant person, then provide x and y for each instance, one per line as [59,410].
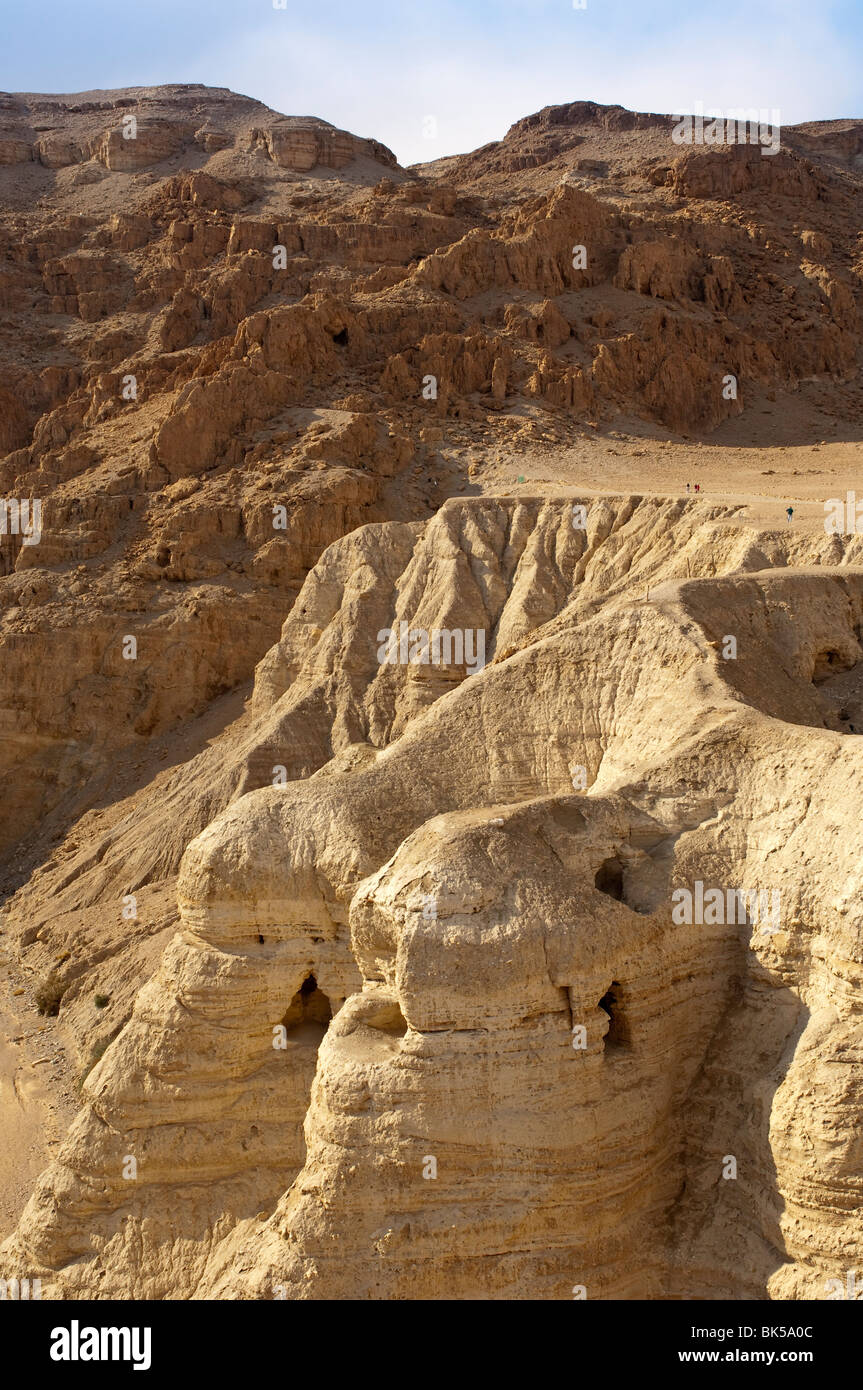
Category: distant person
[687,487]
[789,512]
[697,487]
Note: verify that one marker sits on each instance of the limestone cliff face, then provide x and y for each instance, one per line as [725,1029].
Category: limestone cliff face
[213,312]
[393,999]
[303,143]
[502,568]
[533,1067]
[135,129]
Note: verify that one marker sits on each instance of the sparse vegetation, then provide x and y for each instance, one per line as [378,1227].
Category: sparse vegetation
[49,992]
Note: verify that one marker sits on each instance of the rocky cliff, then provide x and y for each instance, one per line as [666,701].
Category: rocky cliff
[373,968]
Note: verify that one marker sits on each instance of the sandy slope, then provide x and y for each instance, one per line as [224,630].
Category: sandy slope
[36,1101]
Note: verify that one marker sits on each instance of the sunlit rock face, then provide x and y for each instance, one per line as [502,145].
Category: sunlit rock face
[445,884]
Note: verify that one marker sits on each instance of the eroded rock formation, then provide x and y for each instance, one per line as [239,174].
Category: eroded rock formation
[459,910]
[393,1001]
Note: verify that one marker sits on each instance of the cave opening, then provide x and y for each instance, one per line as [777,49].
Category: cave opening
[611,1003]
[388,1019]
[609,879]
[829,663]
[309,1012]
[341,338]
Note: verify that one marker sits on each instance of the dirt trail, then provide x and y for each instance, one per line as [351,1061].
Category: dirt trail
[34,1109]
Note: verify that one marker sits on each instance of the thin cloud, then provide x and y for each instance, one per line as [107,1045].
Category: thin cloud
[381,84]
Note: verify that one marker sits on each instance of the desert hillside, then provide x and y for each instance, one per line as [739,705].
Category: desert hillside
[332,966]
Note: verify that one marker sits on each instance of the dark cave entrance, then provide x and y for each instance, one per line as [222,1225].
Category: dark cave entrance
[609,879]
[309,1013]
[618,1035]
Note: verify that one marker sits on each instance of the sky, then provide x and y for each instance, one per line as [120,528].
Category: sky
[436,77]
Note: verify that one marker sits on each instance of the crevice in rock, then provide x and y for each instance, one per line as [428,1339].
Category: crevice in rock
[618,1038]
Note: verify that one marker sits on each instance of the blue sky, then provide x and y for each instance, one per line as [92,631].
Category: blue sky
[383,67]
